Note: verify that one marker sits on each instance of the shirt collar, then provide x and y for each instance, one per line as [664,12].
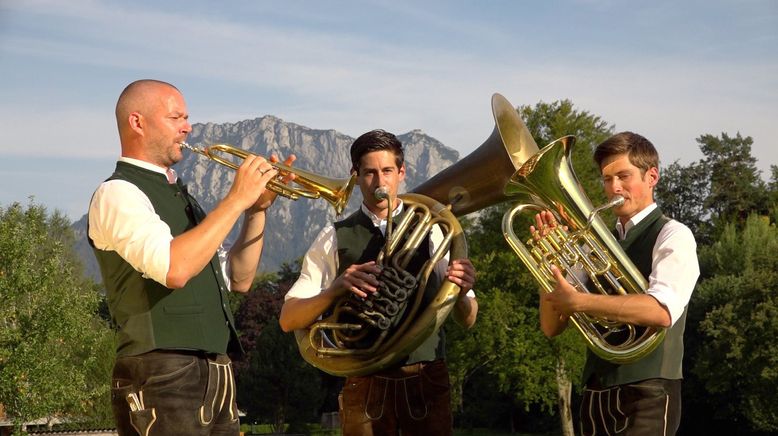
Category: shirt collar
[623,229]
[381,222]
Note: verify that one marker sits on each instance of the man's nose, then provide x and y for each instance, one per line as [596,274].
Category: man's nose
[613,185]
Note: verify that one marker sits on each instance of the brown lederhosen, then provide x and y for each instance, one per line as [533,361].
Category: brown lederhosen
[414,399]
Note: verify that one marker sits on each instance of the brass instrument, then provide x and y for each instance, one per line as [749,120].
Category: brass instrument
[334,191]
[359,338]
[581,246]
[353,341]
[477,180]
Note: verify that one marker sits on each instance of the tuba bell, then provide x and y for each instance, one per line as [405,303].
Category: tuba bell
[364,337]
[581,246]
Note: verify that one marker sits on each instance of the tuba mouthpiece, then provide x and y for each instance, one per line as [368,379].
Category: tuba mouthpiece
[381,193]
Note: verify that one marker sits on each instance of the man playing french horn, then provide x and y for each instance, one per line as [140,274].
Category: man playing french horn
[642,397]
[412,396]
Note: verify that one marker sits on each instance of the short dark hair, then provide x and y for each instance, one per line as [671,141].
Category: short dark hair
[641,151]
[376,140]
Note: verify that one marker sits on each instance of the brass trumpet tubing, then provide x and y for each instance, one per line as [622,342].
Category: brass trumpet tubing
[334,191]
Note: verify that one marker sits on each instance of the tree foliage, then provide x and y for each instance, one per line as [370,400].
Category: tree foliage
[681,193]
[50,336]
[275,385]
[736,188]
[735,311]
[724,186]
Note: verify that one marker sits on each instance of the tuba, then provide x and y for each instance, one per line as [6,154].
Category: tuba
[361,337]
[582,248]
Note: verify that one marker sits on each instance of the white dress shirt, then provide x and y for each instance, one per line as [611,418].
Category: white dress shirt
[122,219]
[674,266]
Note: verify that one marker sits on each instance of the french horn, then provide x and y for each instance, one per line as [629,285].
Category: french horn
[360,338]
[581,246]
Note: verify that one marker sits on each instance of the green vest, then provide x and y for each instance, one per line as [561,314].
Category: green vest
[149,316]
[360,241]
[665,361]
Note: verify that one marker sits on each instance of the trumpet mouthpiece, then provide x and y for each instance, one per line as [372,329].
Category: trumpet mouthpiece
[617,201]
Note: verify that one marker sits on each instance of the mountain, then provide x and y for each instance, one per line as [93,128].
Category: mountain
[292,225]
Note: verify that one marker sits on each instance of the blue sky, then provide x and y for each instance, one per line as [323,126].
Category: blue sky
[670,70]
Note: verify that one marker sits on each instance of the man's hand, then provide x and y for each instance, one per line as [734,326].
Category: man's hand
[359,279]
[268,197]
[462,273]
[564,298]
[544,223]
[251,178]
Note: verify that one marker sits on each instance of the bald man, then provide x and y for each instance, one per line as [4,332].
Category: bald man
[167,275]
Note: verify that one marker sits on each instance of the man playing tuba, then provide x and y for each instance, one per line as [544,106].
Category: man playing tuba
[413,396]
[642,397]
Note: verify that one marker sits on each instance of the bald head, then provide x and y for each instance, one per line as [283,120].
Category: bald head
[153,122]
[139,96]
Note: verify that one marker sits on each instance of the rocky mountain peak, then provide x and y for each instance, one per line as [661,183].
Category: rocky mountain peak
[292,225]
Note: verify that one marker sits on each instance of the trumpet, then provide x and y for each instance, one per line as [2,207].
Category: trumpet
[311,185]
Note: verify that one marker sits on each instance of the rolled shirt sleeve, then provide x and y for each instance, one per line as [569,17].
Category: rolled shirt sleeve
[675,268]
[319,268]
[122,219]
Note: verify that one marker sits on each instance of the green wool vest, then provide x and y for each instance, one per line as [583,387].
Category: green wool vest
[666,360]
[359,241]
[149,316]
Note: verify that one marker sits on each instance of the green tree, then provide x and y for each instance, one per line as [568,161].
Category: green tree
[736,188]
[275,385]
[734,350]
[682,192]
[49,330]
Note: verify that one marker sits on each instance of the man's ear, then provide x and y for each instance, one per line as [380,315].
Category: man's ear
[136,122]
[401,172]
[653,176]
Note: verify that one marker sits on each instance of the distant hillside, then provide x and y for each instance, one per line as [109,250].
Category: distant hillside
[292,225]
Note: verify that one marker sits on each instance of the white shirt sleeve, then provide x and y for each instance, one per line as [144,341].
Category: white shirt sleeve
[674,269]
[319,268]
[122,219]
[436,238]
